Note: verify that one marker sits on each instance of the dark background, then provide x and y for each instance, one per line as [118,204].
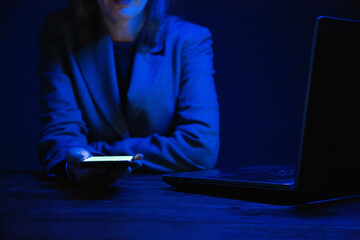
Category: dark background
[262,51]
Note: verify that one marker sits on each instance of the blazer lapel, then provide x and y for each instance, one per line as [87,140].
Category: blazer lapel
[147,64]
[97,64]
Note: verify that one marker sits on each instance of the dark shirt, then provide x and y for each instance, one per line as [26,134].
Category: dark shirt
[124,53]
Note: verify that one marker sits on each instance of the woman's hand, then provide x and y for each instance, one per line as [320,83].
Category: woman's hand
[95,176]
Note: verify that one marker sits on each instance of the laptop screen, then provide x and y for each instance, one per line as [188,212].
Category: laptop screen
[330,151]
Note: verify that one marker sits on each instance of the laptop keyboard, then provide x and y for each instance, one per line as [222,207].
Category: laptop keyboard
[275,175]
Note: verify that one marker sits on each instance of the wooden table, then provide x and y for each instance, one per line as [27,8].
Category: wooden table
[144,207]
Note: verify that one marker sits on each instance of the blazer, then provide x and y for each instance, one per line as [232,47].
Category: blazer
[172,113]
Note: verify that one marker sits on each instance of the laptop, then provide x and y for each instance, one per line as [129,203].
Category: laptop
[328,164]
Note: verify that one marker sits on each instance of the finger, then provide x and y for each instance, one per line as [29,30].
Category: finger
[135,164]
[136,161]
[79,152]
[84,154]
[129,170]
[138,156]
[76,155]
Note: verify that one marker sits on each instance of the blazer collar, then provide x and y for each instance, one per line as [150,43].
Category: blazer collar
[97,64]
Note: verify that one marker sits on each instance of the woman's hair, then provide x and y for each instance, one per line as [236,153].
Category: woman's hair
[87,14]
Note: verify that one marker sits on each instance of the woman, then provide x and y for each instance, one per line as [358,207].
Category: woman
[120,77]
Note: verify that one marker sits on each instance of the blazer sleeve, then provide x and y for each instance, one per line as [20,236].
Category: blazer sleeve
[61,118]
[194,141]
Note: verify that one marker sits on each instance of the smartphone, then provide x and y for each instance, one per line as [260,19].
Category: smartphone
[107,161]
